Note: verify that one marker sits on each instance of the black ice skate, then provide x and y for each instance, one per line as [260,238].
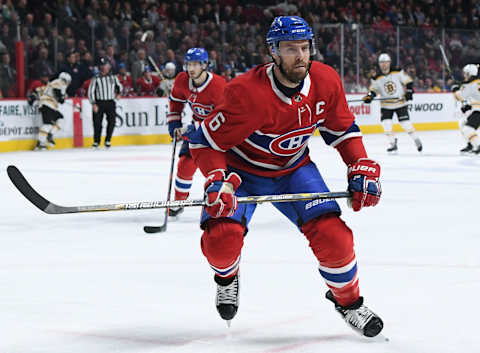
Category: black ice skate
[107,144]
[95,145]
[476,151]
[40,146]
[418,143]
[393,146]
[50,140]
[359,317]
[467,149]
[227,297]
[175,211]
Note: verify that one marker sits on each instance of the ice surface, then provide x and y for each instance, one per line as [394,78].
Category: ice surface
[96,283]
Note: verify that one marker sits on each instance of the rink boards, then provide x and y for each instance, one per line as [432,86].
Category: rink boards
[143,120]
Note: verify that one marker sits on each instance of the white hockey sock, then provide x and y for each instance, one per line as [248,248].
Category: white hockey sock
[471,135]
[388,129]
[42,134]
[408,127]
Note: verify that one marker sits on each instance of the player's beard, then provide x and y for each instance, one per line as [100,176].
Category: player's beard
[291,75]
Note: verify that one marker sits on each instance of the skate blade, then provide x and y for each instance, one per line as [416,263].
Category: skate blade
[229,323]
[381,338]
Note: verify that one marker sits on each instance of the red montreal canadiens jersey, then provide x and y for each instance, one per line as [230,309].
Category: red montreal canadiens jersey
[148,87]
[201,100]
[265,132]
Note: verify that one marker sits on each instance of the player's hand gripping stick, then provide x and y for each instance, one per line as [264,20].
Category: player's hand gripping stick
[220,193]
[363,182]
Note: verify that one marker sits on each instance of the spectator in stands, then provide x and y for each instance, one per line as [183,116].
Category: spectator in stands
[42,64]
[138,67]
[7,77]
[40,37]
[147,84]
[86,66]
[72,67]
[110,55]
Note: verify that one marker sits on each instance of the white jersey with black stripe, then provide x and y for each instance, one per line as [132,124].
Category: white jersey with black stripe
[469,92]
[48,96]
[391,85]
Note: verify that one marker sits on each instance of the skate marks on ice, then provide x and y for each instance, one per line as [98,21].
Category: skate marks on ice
[254,339]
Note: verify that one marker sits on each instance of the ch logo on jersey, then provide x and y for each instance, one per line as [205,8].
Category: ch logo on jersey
[291,142]
[201,110]
[390,87]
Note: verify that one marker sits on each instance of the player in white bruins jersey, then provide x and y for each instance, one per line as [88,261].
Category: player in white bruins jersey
[397,85]
[50,96]
[469,96]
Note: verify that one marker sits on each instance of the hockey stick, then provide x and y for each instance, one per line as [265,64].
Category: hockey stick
[149,58]
[46,206]
[375,99]
[445,61]
[163,227]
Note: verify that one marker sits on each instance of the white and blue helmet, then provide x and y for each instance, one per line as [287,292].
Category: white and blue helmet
[196,54]
[289,28]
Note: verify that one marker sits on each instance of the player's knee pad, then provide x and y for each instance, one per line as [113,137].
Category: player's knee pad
[186,167]
[330,240]
[387,125]
[222,243]
[407,125]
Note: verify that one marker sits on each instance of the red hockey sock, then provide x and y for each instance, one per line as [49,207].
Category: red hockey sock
[185,170]
[221,244]
[332,243]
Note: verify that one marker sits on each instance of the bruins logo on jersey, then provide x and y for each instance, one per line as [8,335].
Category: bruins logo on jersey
[390,87]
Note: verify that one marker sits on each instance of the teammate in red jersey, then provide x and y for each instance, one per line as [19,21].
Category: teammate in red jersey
[125,80]
[148,83]
[255,143]
[202,90]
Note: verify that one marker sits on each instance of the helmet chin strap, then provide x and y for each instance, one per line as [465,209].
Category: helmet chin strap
[284,73]
[200,74]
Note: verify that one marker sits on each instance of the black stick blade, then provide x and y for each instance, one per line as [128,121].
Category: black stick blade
[154,229]
[26,189]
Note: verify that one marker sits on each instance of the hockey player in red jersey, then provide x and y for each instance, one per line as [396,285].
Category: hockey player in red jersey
[255,143]
[148,83]
[202,91]
[125,80]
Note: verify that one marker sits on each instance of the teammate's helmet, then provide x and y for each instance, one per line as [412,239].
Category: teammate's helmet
[65,76]
[470,70]
[287,28]
[384,57]
[196,54]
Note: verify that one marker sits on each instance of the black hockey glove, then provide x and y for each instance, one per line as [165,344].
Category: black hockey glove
[369,97]
[466,107]
[409,95]
[31,99]
[159,92]
[455,86]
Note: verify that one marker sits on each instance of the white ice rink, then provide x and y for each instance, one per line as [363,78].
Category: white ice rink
[95,282]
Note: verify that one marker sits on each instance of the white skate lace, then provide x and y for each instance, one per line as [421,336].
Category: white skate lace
[358,317]
[228,294]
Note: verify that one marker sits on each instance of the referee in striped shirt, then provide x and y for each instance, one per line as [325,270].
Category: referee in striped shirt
[103,90]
